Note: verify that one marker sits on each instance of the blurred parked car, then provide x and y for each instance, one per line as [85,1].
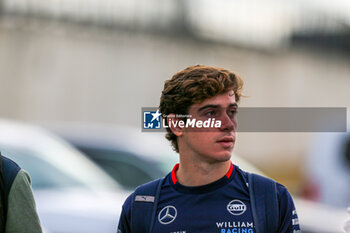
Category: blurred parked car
[73,195]
[328,169]
[129,156]
[133,157]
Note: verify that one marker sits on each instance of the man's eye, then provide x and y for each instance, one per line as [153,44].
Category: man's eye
[210,113]
[233,112]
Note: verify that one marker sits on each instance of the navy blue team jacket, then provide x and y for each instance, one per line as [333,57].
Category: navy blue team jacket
[219,207]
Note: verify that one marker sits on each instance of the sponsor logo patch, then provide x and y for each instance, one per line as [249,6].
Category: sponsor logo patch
[167,214]
[236,207]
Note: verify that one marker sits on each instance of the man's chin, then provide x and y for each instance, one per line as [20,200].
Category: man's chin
[224,156]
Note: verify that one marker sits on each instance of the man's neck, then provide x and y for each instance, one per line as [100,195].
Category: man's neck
[200,172]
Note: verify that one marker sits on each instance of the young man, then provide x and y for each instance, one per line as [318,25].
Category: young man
[205,192]
[17,206]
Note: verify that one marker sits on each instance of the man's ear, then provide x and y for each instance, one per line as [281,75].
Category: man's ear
[175,124]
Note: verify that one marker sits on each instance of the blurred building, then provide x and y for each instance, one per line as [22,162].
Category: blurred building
[255,24]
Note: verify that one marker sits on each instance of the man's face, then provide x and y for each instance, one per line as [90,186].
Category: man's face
[213,144]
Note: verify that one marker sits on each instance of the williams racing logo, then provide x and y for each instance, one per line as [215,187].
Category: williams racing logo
[236,207]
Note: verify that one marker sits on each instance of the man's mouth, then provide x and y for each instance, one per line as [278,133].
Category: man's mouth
[226,141]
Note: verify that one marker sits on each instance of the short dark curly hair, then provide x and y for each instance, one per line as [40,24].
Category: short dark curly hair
[194,85]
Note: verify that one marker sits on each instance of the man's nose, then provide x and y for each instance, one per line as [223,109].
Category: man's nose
[228,123]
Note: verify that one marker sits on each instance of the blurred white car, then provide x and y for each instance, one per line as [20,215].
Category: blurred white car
[133,157]
[328,169]
[72,194]
[129,156]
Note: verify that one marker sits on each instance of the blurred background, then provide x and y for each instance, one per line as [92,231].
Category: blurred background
[83,70]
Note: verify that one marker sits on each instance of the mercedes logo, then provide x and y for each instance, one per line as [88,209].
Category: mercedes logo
[167,214]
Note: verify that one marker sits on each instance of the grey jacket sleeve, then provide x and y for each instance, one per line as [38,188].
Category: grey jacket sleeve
[22,216]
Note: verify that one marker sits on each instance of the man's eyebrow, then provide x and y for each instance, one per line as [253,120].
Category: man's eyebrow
[208,106]
[215,106]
